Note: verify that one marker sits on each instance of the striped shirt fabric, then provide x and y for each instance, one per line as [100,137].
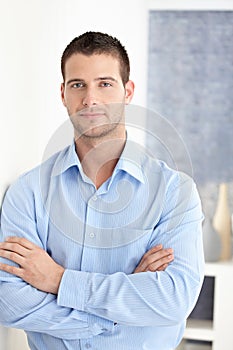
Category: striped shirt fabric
[99,236]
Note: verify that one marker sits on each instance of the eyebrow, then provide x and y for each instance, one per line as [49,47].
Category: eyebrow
[75,80]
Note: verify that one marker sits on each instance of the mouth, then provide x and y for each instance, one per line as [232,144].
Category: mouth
[92,113]
[88,115]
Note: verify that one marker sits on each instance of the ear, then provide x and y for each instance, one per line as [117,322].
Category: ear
[63,94]
[129,91]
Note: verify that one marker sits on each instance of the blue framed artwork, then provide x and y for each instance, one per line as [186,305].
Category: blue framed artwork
[190,83]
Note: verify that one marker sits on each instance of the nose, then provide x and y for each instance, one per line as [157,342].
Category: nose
[90,98]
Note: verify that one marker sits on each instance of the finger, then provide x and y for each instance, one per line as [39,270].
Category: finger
[150,257]
[159,263]
[138,269]
[151,251]
[17,271]
[15,257]
[163,267]
[14,247]
[157,256]
[21,241]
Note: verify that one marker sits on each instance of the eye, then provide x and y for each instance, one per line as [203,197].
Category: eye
[105,84]
[77,85]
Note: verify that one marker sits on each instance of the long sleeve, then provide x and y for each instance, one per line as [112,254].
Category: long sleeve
[149,299]
[21,305]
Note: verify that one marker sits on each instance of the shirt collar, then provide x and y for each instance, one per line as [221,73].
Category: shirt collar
[131,160]
[66,159]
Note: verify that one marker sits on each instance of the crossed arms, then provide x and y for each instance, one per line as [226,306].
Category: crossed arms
[68,304]
[38,269]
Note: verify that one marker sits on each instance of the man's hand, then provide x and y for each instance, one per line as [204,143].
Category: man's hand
[156,259]
[36,267]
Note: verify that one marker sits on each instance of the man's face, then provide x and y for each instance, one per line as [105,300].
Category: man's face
[94,95]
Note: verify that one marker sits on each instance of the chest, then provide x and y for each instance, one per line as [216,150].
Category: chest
[101,231]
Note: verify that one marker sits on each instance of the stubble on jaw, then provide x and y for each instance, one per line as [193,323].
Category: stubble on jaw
[94,130]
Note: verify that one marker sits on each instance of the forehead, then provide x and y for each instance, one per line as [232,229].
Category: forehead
[92,66]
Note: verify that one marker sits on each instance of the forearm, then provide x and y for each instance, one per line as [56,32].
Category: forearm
[141,299]
[147,298]
[24,307]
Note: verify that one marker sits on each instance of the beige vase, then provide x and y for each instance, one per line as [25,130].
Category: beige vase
[222,222]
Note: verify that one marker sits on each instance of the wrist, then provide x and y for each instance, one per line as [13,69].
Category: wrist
[57,280]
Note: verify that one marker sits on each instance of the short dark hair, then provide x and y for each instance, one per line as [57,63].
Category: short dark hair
[91,43]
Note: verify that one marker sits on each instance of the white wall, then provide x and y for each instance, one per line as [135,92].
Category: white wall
[33,35]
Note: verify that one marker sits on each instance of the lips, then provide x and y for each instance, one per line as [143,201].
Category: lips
[92,115]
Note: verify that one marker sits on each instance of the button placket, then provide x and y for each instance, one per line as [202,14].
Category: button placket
[89,234]
[94,198]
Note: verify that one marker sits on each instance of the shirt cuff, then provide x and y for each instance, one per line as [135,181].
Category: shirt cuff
[72,292]
[72,289]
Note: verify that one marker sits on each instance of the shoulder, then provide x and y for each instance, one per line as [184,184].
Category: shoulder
[170,177]
[31,180]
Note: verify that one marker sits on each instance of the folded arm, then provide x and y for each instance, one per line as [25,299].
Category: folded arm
[30,278]
[149,298]
[23,306]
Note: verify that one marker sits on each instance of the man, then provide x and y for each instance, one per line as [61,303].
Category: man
[83,264]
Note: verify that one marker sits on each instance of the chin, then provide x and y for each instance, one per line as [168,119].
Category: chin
[100,132]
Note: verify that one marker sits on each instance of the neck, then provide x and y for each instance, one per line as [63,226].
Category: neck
[99,156]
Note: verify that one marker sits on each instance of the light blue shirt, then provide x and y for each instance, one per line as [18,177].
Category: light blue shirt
[99,236]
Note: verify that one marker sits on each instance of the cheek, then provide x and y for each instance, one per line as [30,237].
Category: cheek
[114,97]
[72,101]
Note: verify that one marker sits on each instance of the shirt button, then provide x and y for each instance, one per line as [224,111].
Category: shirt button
[92,235]
[94,198]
